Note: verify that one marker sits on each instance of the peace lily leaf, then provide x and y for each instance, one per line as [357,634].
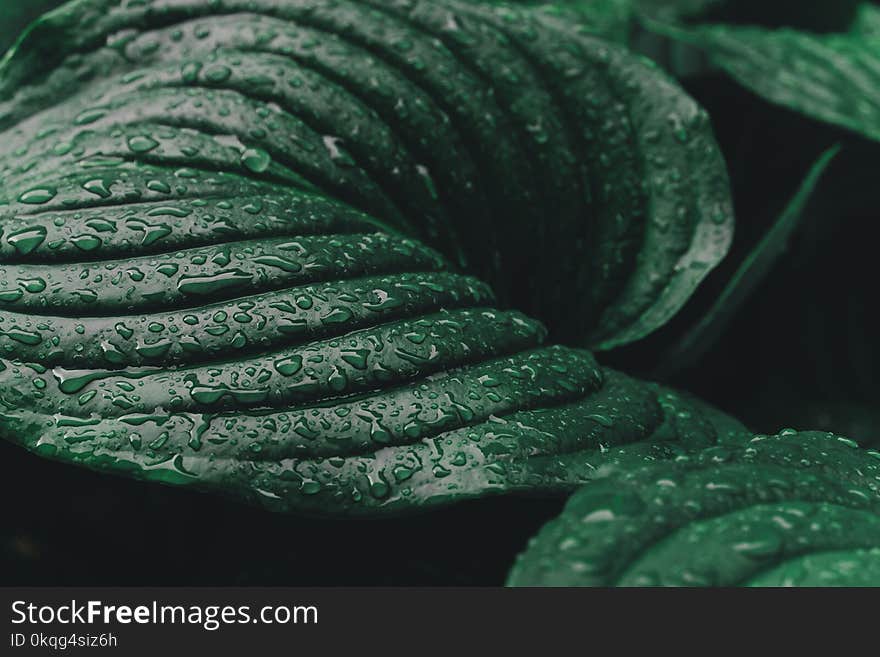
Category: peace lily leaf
[829,77]
[580,183]
[193,293]
[544,420]
[794,509]
[859,567]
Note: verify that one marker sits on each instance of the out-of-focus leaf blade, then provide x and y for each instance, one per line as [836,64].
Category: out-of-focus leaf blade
[15,15]
[830,77]
[867,23]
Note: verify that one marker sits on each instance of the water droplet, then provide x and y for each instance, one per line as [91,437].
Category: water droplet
[256,160]
[86,242]
[29,338]
[289,366]
[97,187]
[217,73]
[26,240]
[142,143]
[214,283]
[38,195]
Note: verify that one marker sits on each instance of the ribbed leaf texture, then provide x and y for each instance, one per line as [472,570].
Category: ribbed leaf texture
[203,274]
[579,182]
[798,509]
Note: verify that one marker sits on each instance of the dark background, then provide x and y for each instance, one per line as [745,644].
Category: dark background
[800,353]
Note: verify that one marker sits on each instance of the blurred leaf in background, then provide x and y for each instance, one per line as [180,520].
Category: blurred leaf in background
[15,15]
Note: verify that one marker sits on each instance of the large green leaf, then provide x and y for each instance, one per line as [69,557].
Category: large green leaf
[193,293]
[578,181]
[829,77]
[795,509]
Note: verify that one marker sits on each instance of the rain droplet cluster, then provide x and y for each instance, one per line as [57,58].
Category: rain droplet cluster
[578,181]
[797,509]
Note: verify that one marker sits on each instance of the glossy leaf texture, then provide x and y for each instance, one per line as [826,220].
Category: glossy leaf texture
[581,183]
[829,77]
[797,509]
[540,421]
[192,293]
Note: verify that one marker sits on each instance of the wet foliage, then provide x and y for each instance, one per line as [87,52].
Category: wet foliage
[349,260]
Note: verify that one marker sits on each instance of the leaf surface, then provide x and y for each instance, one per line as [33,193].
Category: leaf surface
[829,77]
[203,274]
[794,509]
[582,184]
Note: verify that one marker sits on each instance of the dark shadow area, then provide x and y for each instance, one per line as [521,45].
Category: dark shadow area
[69,526]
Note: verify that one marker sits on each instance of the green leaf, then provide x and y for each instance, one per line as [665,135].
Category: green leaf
[544,420]
[867,22]
[828,77]
[196,290]
[15,16]
[609,19]
[794,509]
[583,185]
